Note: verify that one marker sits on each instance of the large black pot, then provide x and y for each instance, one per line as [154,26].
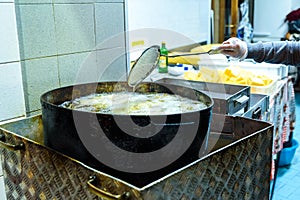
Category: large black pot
[138,149]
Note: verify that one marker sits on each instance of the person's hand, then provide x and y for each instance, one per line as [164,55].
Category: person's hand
[235,48]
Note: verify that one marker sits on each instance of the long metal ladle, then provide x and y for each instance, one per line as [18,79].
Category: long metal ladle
[148,60]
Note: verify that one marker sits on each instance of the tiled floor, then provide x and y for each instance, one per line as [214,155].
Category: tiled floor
[287,185]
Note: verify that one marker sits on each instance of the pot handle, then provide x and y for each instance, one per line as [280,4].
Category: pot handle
[241,99]
[103,193]
[13,147]
[256,113]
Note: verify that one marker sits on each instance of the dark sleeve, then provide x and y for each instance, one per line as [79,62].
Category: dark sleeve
[281,52]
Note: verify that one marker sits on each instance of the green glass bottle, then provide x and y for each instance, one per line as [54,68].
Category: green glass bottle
[163,59]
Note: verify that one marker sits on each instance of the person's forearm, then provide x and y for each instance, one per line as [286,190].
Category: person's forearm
[275,52]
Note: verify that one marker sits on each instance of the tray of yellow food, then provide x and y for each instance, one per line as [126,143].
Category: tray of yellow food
[259,83]
[278,71]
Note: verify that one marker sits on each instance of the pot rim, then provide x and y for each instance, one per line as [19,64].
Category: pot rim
[43,100]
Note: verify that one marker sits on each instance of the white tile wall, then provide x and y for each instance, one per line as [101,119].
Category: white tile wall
[11,85]
[73,1]
[109,1]
[109,15]
[10,74]
[75,29]
[35,83]
[111,64]
[9,50]
[36,30]
[12,97]
[33,1]
[77,68]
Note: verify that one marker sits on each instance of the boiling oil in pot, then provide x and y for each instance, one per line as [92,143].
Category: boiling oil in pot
[134,103]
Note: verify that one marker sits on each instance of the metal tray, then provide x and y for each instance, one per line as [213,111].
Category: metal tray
[238,169]
[259,107]
[228,99]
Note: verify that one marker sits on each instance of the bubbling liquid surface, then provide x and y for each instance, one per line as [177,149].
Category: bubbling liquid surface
[133,103]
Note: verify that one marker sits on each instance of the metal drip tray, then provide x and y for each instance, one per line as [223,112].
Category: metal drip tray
[241,151]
